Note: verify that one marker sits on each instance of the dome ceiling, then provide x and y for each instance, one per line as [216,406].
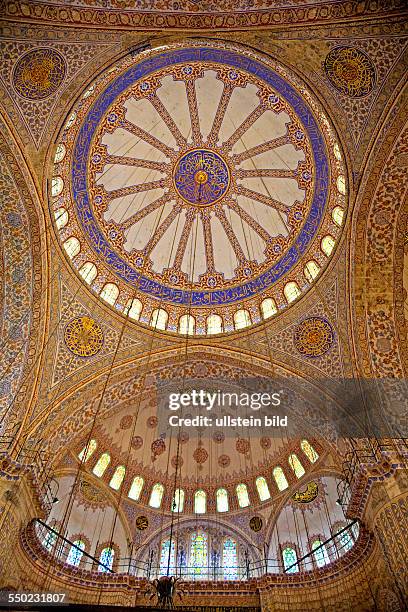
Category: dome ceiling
[198,181]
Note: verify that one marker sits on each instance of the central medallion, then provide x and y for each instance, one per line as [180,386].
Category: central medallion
[201,177]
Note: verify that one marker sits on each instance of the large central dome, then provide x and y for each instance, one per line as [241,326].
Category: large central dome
[201,185]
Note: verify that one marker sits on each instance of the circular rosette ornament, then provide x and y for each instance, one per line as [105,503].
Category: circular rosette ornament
[158,447]
[137,442]
[242,446]
[200,455]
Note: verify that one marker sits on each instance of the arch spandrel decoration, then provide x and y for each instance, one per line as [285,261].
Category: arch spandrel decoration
[152,161]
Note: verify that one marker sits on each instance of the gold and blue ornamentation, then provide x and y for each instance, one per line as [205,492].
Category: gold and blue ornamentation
[201,177]
[39,73]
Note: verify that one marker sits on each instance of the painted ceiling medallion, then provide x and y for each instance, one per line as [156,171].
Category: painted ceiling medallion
[201,178]
[83,336]
[39,73]
[351,71]
[313,337]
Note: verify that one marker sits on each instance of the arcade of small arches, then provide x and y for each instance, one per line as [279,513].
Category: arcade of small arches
[198,502]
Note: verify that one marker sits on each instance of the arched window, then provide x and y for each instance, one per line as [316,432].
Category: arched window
[341,184]
[87,451]
[309,451]
[336,150]
[268,308]
[214,324]
[156,496]
[71,120]
[72,246]
[159,318]
[178,501]
[110,293]
[136,488]
[199,553]
[296,466]
[106,559]
[134,308]
[187,325]
[291,291]
[289,557]
[117,478]
[242,319]
[242,495]
[88,272]
[167,557]
[262,488]
[230,559]
[61,217]
[101,465]
[327,245]
[200,502]
[75,553]
[320,553]
[311,270]
[57,185]
[49,540]
[59,153]
[280,478]
[222,500]
[344,540]
[338,215]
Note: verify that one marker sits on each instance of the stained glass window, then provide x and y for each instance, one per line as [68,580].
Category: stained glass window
[159,318]
[178,501]
[117,478]
[344,540]
[187,325]
[268,307]
[72,246]
[230,559]
[156,496]
[50,540]
[263,489]
[134,308]
[199,553]
[75,553]
[222,500]
[61,217]
[87,451]
[101,465]
[136,488]
[320,554]
[165,553]
[110,293]
[88,272]
[312,270]
[200,502]
[290,560]
[242,494]
[337,215]
[291,291]
[296,466]
[214,324]
[309,451]
[280,478]
[106,558]
[327,245]
[242,319]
